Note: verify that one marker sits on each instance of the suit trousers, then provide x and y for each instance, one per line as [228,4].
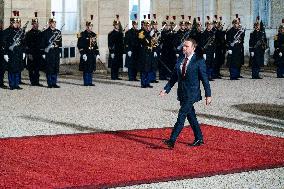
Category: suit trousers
[186,111]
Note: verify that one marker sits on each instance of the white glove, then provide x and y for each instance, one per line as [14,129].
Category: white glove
[112,56]
[85,57]
[177,55]
[129,53]
[252,54]
[280,54]
[43,56]
[230,51]
[6,57]
[97,57]
[24,55]
[204,56]
[214,55]
[152,32]
[155,54]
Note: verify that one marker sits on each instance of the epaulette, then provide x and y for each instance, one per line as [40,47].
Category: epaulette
[79,34]
[275,37]
[141,35]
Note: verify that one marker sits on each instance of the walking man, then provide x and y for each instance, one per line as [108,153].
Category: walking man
[188,72]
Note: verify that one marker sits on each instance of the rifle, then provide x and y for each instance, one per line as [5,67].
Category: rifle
[210,41]
[18,36]
[52,39]
[237,37]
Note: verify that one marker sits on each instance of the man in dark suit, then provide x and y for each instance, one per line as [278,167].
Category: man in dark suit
[188,72]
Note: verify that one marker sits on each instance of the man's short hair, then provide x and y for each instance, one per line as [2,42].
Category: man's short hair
[192,41]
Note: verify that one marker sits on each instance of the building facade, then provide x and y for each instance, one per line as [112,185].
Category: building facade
[74,13]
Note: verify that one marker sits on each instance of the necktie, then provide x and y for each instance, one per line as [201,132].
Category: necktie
[183,67]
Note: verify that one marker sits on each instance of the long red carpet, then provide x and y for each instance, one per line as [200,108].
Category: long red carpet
[131,157]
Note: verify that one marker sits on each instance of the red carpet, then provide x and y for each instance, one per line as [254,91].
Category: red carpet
[131,157]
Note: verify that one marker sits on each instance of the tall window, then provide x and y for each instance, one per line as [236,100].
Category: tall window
[139,7]
[66,12]
[262,9]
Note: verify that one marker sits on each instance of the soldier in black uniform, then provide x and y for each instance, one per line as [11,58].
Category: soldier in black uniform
[180,36]
[116,49]
[220,50]
[168,52]
[188,24]
[208,45]
[14,50]
[132,49]
[147,54]
[3,63]
[89,51]
[163,68]
[50,44]
[34,54]
[279,51]
[155,40]
[234,41]
[257,46]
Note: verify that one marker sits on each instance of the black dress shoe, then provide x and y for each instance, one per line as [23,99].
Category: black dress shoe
[18,88]
[169,143]
[3,86]
[149,86]
[143,86]
[155,81]
[256,78]
[91,84]
[39,85]
[136,80]
[49,86]
[240,76]
[197,143]
[56,86]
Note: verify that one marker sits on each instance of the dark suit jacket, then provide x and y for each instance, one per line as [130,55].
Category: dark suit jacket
[189,88]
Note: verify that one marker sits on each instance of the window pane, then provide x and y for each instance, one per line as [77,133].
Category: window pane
[56,5]
[58,18]
[71,6]
[70,22]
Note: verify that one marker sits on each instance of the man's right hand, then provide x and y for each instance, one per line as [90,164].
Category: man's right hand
[208,100]
[230,51]
[163,93]
[6,57]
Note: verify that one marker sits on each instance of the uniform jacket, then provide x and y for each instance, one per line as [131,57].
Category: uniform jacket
[15,63]
[52,59]
[87,44]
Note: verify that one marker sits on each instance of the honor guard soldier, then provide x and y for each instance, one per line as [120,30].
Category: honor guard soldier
[155,41]
[196,34]
[89,51]
[168,52]
[132,49]
[3,63]
[116,49]
[234,41]
[146,55]
[34,54]
[279,51]
[188,24]
[180,36]
[51,44]
[208,45]
[257,46]
[164,71]
[220,49]
[14,50]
